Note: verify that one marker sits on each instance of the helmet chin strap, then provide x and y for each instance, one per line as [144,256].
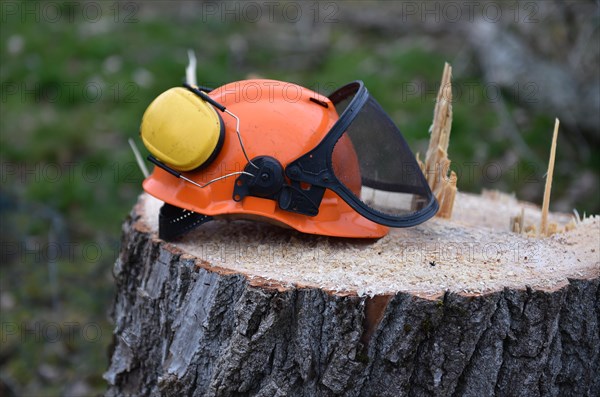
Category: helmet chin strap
[178,174]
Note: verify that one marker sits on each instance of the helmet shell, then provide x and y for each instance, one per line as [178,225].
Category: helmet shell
[280,120]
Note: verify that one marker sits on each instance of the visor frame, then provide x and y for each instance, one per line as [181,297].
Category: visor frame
[316,166]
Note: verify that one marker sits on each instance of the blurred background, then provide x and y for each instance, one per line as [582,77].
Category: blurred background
[77,76]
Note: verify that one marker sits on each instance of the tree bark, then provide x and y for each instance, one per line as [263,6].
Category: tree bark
[189,324]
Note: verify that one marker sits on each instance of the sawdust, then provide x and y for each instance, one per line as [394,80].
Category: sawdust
[472,253]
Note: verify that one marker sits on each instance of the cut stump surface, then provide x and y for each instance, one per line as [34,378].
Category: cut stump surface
[452,307]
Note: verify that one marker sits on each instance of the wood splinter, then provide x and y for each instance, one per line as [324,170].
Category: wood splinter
[437,163]
[517,223]
[546,203]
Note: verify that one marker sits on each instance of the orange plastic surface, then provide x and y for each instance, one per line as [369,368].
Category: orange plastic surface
[276,119]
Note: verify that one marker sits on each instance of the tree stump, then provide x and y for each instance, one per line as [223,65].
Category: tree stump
[452,307]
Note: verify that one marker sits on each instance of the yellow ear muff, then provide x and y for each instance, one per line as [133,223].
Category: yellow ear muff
[182,130]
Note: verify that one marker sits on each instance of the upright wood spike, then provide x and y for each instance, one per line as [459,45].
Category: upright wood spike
[437,163]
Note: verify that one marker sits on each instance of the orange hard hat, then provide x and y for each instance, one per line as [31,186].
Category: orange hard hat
[278,152]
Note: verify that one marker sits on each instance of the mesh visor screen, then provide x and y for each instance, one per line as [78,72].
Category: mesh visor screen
[392,182]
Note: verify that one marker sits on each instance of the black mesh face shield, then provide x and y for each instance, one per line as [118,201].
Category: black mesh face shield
[391,189]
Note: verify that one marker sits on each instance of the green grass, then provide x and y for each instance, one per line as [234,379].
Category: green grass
[84,139]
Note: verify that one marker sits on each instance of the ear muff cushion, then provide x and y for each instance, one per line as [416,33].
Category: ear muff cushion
[218,147]
[182,130]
